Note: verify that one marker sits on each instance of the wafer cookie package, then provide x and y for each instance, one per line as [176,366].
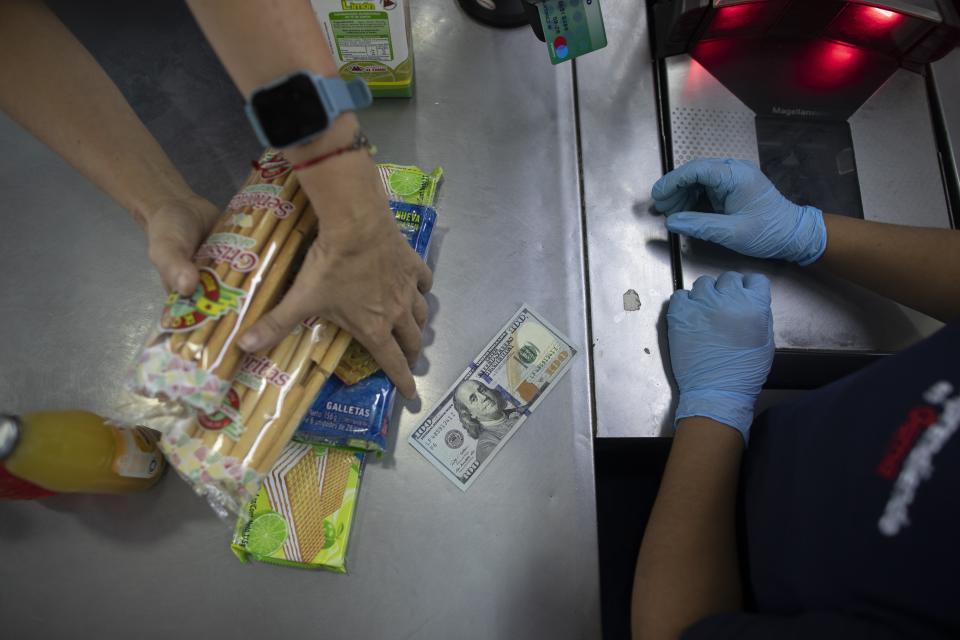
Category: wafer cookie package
[303,514]
[244,408]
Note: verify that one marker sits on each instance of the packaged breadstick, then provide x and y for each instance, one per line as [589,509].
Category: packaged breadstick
[244,266]
[228,447]
[303,514]
[226,453]
[245,407]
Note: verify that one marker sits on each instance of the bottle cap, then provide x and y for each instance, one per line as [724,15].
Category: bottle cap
[9,434]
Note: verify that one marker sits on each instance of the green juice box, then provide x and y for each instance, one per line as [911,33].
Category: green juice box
[370,39]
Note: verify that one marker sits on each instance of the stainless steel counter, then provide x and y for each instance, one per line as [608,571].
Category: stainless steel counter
[946,78]
[900,182]
[627,245]
[514,557]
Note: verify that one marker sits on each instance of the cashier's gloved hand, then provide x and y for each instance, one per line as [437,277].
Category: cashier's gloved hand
[721,347]
[360,273]
[754,218]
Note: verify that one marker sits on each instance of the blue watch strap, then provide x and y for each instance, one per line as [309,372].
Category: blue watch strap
[362,98]
[344,96]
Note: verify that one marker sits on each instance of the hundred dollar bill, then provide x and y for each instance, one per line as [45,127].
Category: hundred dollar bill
[493,397]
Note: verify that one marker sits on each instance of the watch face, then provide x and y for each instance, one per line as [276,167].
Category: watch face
[290,111]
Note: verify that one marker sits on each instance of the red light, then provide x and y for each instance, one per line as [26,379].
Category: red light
[697,78]
[839,54]
[871,27]
[882,16]
[868,22]
[735,19]
[829,65]
[708,52]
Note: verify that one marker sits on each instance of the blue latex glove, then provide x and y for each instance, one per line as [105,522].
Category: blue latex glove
[759,221]
[721,347]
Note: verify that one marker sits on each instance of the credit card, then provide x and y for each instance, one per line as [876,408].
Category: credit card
[571,28]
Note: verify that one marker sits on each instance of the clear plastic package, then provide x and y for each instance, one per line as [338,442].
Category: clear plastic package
[244,407]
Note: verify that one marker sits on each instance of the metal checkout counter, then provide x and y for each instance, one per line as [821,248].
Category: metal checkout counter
[864,144]
[546,201]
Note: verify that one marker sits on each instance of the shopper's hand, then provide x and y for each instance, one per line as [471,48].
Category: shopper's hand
[721,347]
[360,273]
[759,221]
[175,228]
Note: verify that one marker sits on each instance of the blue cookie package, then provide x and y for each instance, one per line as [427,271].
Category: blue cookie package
[416,222]
[358,415]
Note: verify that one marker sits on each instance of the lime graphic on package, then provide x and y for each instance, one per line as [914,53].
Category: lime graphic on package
[405,183]
[268,532]
[330,534]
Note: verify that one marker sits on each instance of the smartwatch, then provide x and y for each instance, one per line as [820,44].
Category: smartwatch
[299,107]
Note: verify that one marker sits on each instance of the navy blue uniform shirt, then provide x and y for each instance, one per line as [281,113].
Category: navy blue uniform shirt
[850,507]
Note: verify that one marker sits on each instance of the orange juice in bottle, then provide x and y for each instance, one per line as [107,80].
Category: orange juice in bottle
[78,451]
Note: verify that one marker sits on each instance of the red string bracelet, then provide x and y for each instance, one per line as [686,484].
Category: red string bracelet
[360,141]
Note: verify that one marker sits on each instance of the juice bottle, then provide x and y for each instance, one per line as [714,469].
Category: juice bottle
[78,451]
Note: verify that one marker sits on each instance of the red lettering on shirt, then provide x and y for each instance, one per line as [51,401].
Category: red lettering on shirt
[918,419]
